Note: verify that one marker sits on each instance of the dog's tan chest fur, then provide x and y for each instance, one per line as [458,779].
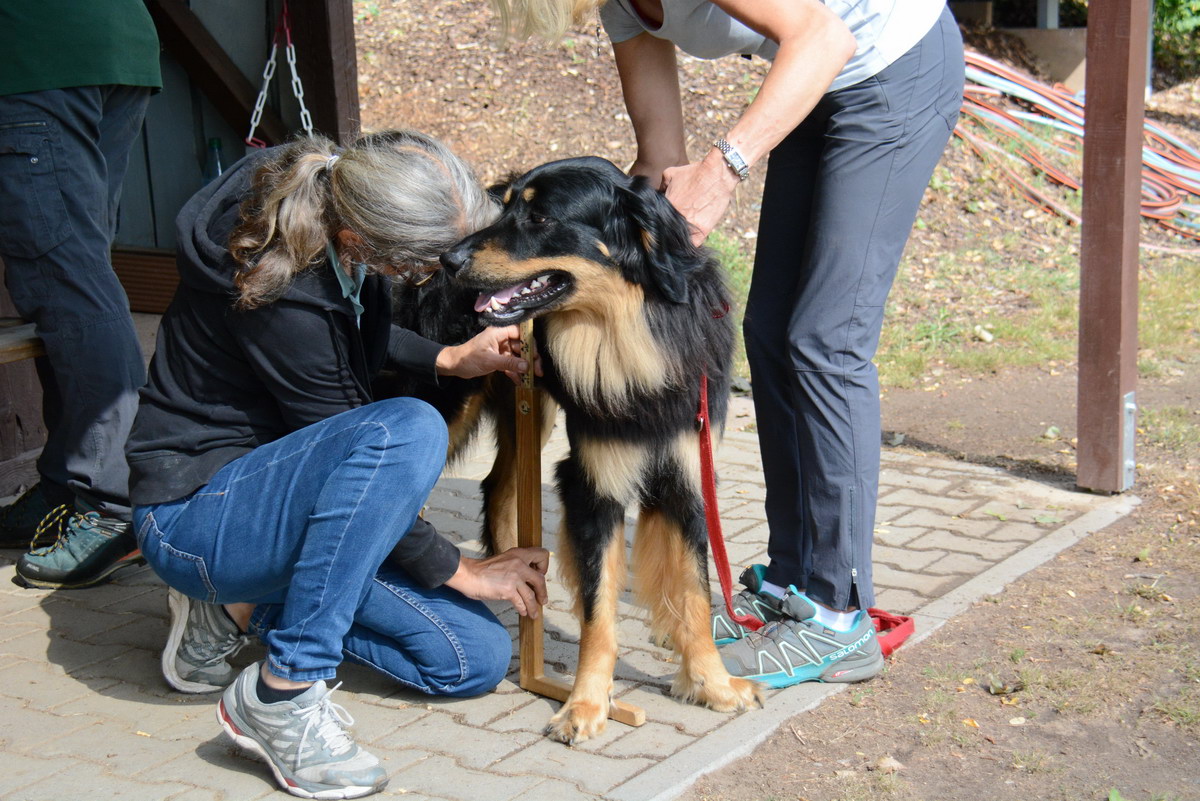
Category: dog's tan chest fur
[604,351]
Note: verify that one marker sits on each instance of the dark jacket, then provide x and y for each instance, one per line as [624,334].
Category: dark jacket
[224,381]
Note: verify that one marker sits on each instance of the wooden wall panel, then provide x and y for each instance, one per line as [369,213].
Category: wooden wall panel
[21,429]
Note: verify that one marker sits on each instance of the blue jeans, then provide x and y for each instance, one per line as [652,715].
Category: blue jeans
[63,157]
[841,194]
[301,526]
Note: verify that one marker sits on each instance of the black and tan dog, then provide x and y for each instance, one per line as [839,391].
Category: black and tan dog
[629,316]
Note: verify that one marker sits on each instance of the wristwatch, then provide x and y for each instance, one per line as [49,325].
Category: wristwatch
[733,158]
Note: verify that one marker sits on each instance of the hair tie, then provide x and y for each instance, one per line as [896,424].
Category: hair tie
[329,161]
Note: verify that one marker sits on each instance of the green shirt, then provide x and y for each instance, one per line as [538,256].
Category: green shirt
[55,44]
[351,287]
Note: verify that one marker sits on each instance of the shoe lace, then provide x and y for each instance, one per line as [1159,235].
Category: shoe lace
[53,524]
[327,721]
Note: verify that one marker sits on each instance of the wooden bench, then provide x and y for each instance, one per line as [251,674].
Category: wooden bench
[17,341]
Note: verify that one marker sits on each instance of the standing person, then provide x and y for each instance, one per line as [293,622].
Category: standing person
[854,113]
[73,92]
[271,494]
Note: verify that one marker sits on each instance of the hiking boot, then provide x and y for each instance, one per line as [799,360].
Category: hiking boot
[797,648]
[303,740]
[86,550]
[750,601]
[19,520]
[201,638]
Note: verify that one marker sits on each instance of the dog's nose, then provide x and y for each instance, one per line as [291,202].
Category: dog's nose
[455,259]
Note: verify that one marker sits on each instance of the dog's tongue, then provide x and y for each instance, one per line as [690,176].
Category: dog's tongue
[504,296]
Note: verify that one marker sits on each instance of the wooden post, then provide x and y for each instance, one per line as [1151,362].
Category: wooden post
[323,31]
[532,660]
[1108,292]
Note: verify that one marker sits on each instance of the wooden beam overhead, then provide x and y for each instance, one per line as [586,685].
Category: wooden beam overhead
[210,68]
[1108,292]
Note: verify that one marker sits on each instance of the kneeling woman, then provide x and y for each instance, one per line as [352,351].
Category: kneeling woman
[271,494]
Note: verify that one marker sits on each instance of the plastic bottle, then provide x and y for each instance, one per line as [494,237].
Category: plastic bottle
[212,160]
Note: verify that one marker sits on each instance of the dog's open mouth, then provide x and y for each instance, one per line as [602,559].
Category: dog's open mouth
[513,303]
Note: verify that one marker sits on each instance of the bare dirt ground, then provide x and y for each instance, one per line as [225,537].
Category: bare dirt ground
[1080,681]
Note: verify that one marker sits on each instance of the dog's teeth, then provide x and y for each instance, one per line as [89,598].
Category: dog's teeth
[538,283]
[496,305]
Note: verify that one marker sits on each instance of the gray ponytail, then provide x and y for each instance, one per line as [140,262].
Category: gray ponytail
[405,195]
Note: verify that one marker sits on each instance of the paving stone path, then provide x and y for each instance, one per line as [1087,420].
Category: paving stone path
[87,715]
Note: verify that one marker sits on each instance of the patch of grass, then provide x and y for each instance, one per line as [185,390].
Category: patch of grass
[866,787]
[1032,761]
[1182,709]
[1067,690]
[1169,307]
[860,697]
[945,674]
[939,307]
[1174,428]
[1028,300]
[1115,795]
[738,264]
[1132,612]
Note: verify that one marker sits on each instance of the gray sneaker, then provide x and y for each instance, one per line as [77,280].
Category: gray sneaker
[201,638]
[303,740]
[797,648]
[750,601]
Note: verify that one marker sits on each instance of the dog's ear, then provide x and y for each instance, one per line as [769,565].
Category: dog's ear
[499,192]
[657,239]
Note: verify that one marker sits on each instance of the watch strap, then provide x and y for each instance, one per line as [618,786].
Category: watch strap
[734,158]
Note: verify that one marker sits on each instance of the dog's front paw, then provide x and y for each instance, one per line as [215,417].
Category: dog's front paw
[577,721]
[723,694]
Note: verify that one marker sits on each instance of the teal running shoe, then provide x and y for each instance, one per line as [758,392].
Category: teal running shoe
[750,601]
[19,520]
[88,547]
[797,648]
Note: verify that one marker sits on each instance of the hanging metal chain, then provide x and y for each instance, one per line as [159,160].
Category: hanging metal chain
[256,117]
[297,87]
[282,31]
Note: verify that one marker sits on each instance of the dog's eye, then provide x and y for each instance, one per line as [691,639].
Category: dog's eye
[538,219]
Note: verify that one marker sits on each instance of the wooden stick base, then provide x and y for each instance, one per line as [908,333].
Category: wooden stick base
[533,678]
[532,661]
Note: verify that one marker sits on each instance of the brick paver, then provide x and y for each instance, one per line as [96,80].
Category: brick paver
[88,716]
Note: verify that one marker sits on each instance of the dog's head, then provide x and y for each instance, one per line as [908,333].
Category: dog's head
[572,234]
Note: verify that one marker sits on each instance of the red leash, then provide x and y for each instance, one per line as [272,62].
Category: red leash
[892,630]
[712,515]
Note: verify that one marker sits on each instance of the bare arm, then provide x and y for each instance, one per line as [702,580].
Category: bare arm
[814,45]
[650,85]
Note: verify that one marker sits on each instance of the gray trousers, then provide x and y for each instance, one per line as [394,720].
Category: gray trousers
[63,156]
[842,193]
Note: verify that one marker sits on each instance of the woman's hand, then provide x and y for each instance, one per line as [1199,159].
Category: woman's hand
[701,192]
[491,350]
[518,576]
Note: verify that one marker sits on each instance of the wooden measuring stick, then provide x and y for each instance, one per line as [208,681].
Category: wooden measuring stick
[532,670]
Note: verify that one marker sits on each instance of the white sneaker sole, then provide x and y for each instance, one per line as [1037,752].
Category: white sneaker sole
[177,602]
[255,747]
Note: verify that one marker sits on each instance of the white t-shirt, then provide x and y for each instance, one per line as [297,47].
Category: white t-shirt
[883,29]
